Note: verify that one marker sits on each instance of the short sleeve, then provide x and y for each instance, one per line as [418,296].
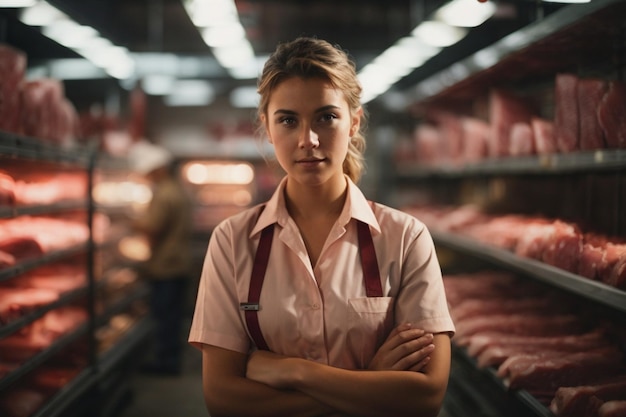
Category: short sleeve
[217,320]
[422,298]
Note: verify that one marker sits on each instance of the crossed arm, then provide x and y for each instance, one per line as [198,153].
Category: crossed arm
[407,376]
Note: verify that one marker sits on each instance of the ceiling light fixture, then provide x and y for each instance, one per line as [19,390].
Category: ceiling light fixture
[190,93]
[84,40]
[439,34]
[425,41]
[465,13]
[220,27]
[17,3]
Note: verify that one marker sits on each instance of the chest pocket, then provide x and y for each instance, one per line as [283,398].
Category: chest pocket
[370,320]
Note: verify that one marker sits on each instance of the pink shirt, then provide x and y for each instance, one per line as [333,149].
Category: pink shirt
[320,313]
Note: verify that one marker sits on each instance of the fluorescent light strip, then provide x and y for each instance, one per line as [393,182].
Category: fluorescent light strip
[465,13]
[221,29]
[425,41]
[84,40]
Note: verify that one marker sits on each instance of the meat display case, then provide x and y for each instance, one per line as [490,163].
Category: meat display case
[586,187]
[74,349]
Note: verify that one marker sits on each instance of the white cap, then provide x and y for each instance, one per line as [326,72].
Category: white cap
[144,157]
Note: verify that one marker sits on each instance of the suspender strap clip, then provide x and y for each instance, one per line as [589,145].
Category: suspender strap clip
[256,283]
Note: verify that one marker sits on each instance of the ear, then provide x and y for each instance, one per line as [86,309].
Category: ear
[356,121]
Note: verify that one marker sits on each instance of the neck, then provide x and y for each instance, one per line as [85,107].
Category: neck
[315,202]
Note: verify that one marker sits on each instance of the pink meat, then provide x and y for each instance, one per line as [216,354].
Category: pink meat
[428,144]
[522,142]
[580,401]
[481,342]
[480,307]
[51,189]
[6,260]
[21,247]
[519,324]
[7,190]
[532,243]
[484,285]
[615,408]
[21,346]
[58,277]
[614,253]
[617,278]
[451,135]
[475,138]
[505,110]
[543,134]
[12,73]
[590,260]
[461,217]
[503,231]
[590,94]
[497,354]
[16,302]
[547,372]
[612,115]
[566,119]
[563,247]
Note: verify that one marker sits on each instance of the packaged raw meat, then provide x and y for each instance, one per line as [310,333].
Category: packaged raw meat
[521,142]
[548,372]
[7,190]
[590,93]
[21,247]
[582,401]
[12,70]
[475,139]
[427,139]
[566,115]
[17,302]
[543,135]
[612,115]
[505,109]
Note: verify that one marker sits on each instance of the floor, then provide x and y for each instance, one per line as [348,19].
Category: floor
[169,396]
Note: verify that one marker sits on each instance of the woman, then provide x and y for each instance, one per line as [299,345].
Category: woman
[314,303]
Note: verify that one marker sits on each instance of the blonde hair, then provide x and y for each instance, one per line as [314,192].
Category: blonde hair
[309,58]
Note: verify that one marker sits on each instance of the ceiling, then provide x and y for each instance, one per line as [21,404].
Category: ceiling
[364,28]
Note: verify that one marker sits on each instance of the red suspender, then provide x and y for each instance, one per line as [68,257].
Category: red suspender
[256,283]
[369,264]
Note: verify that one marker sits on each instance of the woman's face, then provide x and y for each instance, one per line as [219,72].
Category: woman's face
[310,125]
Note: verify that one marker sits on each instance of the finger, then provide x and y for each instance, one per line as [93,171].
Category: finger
[414,353]
[420,365]
[398,336]
[409,341]
[399,328]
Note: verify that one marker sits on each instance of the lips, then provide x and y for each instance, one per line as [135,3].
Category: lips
[309,160]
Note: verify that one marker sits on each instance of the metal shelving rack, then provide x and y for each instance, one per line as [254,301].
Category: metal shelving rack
[521,61]
[88,386]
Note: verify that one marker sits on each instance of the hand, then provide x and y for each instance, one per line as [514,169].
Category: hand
[268,368]
[406,349]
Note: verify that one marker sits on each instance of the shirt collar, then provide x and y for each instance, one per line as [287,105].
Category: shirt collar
[356,206]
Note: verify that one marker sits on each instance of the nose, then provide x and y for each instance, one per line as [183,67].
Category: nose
[308,139]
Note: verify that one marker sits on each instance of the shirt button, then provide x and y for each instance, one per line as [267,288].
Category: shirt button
[315,306]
